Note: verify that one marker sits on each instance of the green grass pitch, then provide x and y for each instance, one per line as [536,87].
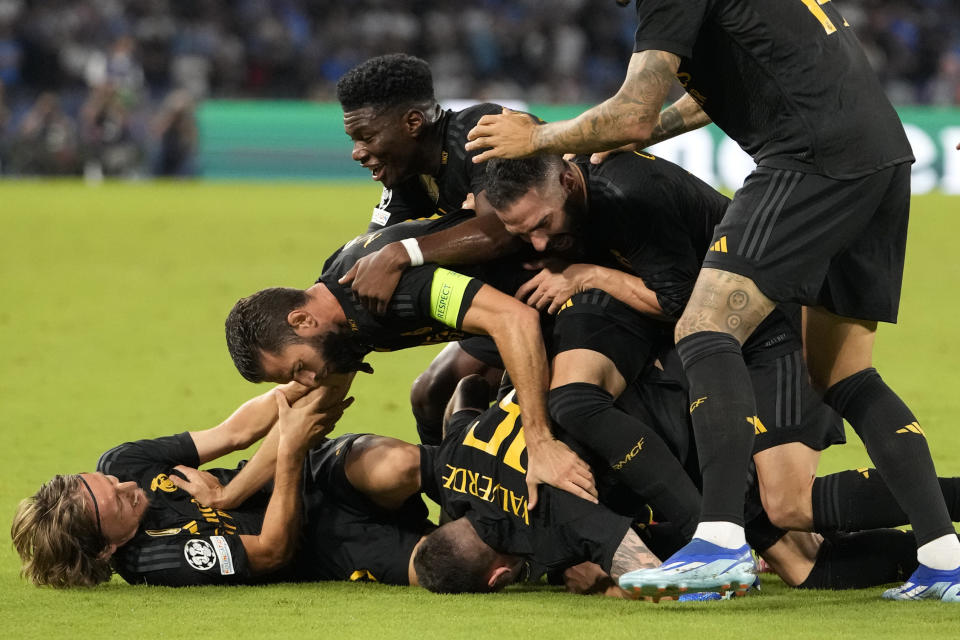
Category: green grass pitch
[112,301]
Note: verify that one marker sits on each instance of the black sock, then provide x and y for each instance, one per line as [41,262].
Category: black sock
[635,454]
[722,407]
[857,500]
[898,448]
[761,533]
[864,559]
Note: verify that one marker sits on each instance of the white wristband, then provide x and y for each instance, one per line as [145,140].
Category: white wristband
[413,250]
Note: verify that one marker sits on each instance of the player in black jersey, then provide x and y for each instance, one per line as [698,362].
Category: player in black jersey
[130,517]
[822,222]
[293,334]
[656,220]
[416,149]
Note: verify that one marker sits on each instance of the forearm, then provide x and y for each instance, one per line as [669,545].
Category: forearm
[260,469]
[520,343]
[682,116]
[475,241]
[281,523]
[626,288]
[629,116]
[248,424]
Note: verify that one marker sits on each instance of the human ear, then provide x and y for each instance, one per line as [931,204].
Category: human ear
[301,319]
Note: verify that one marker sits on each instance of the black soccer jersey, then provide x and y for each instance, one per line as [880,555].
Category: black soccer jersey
[786,79]
[426,196]
[479,472]
[651,218]
[179,542]
[429,302]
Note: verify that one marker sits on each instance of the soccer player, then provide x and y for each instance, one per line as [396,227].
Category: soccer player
[130,517]
[416,150]
[293,334]
[477,477]
[822,221]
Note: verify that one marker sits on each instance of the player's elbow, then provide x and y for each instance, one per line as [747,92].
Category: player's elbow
[271,556]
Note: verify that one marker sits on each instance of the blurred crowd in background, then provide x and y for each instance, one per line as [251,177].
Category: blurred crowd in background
[110,87]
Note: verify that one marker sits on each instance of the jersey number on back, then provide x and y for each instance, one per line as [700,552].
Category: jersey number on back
[506,427]
[821,15]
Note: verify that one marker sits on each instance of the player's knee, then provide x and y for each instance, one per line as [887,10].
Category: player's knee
[573,404]
[786,510]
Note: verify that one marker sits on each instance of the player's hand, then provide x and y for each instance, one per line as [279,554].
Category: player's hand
[509,135]
[600,156]
[202,486]
[554,463]
[374,277]
[304,426]
[589,578]
[556,283]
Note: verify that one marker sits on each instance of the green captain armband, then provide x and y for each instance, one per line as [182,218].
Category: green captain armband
[446,296]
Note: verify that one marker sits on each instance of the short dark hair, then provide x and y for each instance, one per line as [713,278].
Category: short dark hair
[393,80]
[259,323]
[453,559]
[506,181]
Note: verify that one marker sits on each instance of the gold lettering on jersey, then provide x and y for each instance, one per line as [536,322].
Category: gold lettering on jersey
[372,238]
[159,533]
[469,482]
[633,453]
[696,403]
[163,483]
[622,260]
[216,516]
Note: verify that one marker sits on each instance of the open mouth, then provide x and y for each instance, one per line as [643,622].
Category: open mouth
[377,172]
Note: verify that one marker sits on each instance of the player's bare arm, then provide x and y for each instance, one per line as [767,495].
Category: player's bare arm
[515,328]
[298,428]
[374,277]
[245,426]
[256,473]
[558,281]
[629,116]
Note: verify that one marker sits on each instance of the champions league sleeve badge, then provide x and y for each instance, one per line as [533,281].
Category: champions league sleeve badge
[199,554]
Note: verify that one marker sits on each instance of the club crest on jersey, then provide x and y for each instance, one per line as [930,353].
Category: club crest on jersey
[199,554]
[163,483]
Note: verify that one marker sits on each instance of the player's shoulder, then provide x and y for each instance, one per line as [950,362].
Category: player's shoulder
[470,115]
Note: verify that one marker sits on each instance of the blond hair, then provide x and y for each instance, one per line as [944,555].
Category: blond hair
[58,540]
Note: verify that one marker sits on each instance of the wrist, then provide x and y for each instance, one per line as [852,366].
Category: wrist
[411,248]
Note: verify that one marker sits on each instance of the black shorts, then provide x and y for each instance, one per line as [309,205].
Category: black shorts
[346,536]
[788,408]
[807,238]
[597,321]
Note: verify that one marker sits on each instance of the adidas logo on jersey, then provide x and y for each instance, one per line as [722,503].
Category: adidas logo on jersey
[720,245]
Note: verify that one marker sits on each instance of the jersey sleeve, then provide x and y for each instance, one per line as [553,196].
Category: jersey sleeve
[185,561]
[127,460]
[440,294]
[669,25]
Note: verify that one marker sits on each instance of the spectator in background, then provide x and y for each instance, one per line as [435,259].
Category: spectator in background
[46,142]
[110,148]
[175,129]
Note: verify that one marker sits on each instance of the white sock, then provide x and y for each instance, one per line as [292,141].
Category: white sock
[722,534]
[942,554]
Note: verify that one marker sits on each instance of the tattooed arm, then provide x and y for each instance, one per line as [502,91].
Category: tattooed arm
[588,578]
[682,116]
[629,116]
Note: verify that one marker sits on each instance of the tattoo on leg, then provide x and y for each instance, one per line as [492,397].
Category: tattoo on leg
[738,300]
[632,554]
